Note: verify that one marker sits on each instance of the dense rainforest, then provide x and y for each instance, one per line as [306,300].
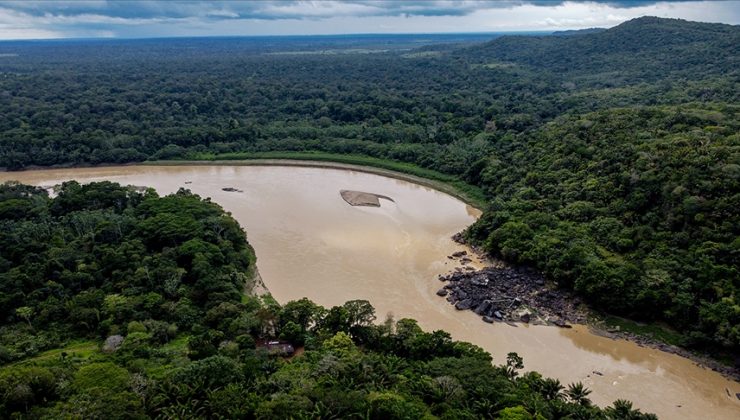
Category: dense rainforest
[609,158]
[162,280]
[636,209]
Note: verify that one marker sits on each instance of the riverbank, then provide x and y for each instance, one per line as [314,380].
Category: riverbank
[510,294]
[706,362]
[448,184]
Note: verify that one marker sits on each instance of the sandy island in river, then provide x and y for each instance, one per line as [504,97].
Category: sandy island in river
[359,198]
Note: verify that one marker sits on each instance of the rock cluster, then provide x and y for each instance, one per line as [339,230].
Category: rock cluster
[510,295]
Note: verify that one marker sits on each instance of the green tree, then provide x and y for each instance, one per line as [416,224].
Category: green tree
[25,312]
[578,394]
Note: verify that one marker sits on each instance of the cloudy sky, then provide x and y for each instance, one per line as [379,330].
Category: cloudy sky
[28,19]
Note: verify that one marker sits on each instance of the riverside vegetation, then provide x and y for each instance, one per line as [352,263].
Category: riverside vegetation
[607,159]
[161,279]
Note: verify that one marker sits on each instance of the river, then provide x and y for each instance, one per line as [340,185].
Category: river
[310,242]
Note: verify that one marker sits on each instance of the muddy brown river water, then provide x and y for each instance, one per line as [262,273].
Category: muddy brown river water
[310,242]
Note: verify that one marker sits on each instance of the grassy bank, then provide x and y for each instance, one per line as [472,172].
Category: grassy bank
[443,182]
[654,332]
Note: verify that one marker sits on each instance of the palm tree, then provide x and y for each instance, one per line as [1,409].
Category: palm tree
[552,389]
[577,393]
[622,410]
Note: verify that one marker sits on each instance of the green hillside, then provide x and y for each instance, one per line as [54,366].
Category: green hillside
[642,49]
[635,208]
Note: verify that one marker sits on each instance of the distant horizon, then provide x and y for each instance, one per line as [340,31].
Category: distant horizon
[139,19]
[367,34]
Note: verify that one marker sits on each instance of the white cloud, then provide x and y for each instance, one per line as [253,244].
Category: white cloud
[318,9]
[152,19]
[28,33]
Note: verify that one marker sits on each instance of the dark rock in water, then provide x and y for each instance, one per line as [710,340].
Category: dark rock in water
[560,323]
[459,254]
[230,189]
[596,372]
[464,304]
[488,319]
[499,293]
[482,308]
[458,237]
[480,280]
[442,292]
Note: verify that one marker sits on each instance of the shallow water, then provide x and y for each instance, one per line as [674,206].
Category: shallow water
[310,242]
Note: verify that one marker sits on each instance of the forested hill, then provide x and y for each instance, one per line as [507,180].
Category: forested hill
[576,32]
[636,209]
[645,49]
[122,101]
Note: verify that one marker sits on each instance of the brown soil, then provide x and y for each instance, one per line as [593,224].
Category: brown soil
[359,198]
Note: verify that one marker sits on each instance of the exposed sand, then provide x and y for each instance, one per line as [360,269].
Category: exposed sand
[359,198]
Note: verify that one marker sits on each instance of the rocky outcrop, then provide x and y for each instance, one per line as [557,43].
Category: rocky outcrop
[511,294]
[112,343]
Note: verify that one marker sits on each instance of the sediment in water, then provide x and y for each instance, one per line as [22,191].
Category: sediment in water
[359,198]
